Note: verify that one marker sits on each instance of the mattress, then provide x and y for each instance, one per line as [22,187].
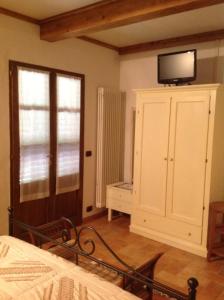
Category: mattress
[30,273]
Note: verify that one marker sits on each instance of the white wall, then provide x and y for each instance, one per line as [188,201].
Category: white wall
[140,71]
[20,41]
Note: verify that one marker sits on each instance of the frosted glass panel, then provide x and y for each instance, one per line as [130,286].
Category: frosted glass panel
[68,159]
[34,160]
[68,133]
[34,125]
[68,92]
[68,127]
[34,134]
[33,87]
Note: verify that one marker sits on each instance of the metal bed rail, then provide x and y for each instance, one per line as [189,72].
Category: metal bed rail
[77,249]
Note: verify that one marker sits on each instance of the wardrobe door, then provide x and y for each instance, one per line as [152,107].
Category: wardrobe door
[187,156]
[151,150]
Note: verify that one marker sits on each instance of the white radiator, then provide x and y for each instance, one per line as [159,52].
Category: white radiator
[110,141]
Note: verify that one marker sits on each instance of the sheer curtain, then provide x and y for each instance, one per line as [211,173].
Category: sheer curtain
[34,133]
[68,133]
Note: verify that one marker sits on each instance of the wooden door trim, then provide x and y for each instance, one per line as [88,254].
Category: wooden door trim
[53,145]
[44,68]
[14,133]
[82,115]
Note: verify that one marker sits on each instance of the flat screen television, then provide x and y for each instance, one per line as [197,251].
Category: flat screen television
[177,68]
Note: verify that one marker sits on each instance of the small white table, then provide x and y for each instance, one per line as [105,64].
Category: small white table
[119,198]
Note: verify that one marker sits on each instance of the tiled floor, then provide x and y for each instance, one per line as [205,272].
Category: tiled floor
[173,268]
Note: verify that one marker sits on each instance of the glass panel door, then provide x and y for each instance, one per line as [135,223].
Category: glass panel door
[68,133]
[46,123]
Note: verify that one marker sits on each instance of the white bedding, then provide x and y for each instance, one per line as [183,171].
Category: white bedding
[29,273]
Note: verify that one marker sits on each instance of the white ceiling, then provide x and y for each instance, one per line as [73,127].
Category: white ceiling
[41,9]
[194,21]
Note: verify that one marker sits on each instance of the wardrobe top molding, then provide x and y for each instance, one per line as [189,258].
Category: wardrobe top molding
[197,87]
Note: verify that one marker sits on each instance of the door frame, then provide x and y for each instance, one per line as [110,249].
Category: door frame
[14,139]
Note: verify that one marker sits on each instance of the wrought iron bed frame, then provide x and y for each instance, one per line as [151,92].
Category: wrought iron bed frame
[77,250]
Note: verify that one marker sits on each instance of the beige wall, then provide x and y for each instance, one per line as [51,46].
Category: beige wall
[20,41]
[102,67]
[140,71]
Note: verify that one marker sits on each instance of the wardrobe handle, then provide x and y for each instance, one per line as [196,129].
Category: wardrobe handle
[171,159]
[165,158]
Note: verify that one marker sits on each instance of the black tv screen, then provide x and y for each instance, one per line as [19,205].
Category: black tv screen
[178,67]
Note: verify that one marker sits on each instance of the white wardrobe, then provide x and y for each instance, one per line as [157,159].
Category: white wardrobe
[179,163]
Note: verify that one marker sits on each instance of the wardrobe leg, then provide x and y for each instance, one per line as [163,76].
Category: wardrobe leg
[109,214]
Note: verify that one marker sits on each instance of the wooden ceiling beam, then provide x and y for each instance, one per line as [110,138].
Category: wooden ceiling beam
[113,13]
[173,42]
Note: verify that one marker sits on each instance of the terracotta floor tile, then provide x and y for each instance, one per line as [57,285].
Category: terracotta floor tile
[220,297]
[212,291]
[174,267]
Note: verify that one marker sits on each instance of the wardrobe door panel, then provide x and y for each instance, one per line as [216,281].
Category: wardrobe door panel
[151,153]
[187,157]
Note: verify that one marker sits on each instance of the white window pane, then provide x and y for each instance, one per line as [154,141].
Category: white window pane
[67,168]
[34,163]
[68,92]
[68,127]
[68,159]
[33,87]
[34,127]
